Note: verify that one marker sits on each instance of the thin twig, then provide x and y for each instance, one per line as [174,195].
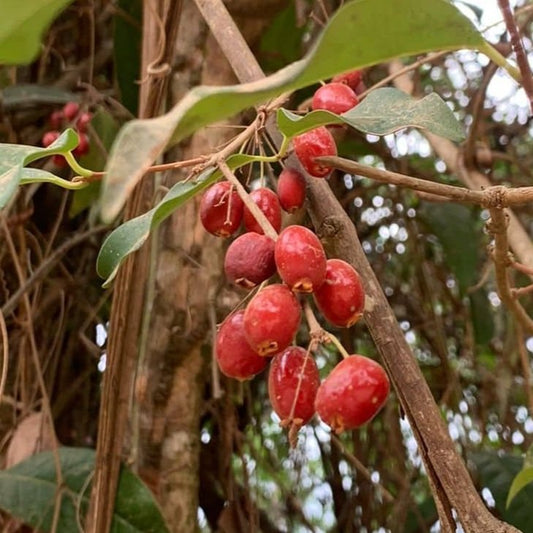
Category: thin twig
[518,48]
[5,355]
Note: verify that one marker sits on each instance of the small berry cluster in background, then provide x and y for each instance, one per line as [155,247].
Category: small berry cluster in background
[264,331]
[69,116]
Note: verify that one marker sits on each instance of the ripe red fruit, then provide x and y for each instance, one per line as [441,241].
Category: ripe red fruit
[271,319]
[49,137]
[300,259]
[250,260]
[56,119]
[70,110]
[314,143]
[83,146]
[291,189]
[351,79]
[334,97]
[341,298]
[59,161]
[293,382]
[83,122]
[221,210]
[352,394]
[234,355]
[268,202]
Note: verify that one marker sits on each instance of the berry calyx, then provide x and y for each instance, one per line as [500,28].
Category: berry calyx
[341,298]
[300,259]
[291,189]
[70,110]
[352,394]
[250,260]
[221,210]
[234,356]
[314,143]
[352,79]
[293,382]
[335,97]
[271,319]
[49,137]
[268,202]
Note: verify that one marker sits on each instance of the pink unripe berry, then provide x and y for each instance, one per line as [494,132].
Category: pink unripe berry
[300,259]
[271,319]
[335,97]
[221,210]
[311,144]
[293,382]
[352,394]
[250,260]
[234,355]
[291,189]
[268,203]
[49,137]
[56,119]
[341,298]
[70,110]
[83,121]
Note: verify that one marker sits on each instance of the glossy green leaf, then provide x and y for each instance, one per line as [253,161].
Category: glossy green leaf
[32,93]
[350,40]
[28,492]
[131,235]
[22,25]
[456,228]
[496,472]
[13,158]
[382,112]
[522,479]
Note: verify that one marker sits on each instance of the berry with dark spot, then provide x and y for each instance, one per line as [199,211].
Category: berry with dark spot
[221,210]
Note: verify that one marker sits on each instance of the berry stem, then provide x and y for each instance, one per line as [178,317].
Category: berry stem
[262,220]
[338,345]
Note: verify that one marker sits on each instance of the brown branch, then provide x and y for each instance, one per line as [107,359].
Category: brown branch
[518,48]
[497,226]
[449,478]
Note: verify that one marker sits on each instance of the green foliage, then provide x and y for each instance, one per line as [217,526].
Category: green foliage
[382,112]
[523,478]
[455,227]
[431,25]
[497,471]
[32,93]
[21,27]
[28,492]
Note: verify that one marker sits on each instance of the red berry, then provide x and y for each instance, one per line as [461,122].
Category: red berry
[250,260]
[271,319]
[59,161]
[49,137]
[83,146]
[300,259]
[56,120]
[291,189]
[334,97]
[221,210]
[351,79]
[341,298]
[314,143]
[293,382]
[234,355]
[83,122]
[268,202]
[352,394]
[70,110]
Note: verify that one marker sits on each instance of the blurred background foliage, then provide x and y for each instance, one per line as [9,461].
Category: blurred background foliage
[431,258]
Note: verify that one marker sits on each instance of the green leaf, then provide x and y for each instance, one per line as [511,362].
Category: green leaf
[32,93]
[382,112]
[350,40]
[456,228]
[131,235]
[496,472]
[28,492]
[522,479]
[13,158]
[22,25]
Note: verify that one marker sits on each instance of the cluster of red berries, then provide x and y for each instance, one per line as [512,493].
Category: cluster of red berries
[338,96]
[69,115]
[357,387]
